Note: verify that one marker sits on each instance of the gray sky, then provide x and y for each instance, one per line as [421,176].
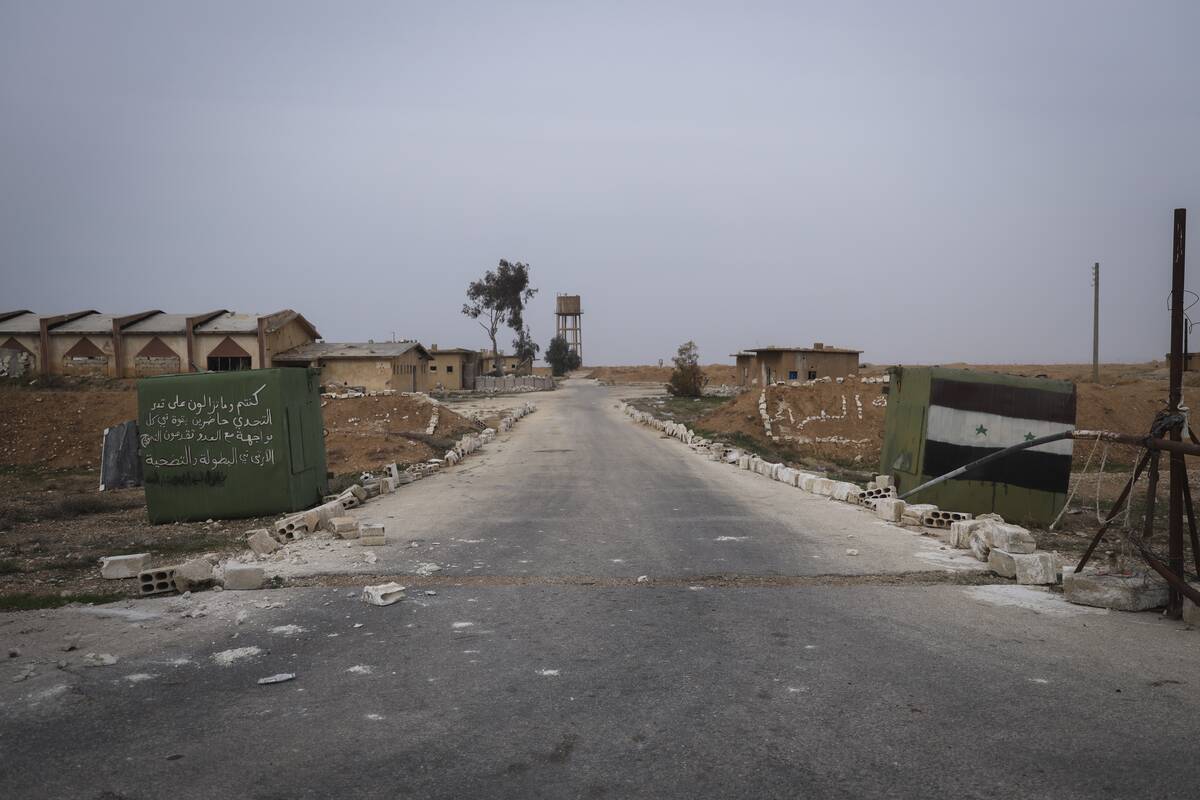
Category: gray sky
[927,181]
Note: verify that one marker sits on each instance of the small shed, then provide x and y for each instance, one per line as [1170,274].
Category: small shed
[940,419]
[230,445]
[374,366]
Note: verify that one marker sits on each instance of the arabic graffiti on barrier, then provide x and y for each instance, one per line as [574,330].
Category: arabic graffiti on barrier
[213,432]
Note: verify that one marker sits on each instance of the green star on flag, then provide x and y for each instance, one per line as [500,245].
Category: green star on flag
[981,431]
[1029,437]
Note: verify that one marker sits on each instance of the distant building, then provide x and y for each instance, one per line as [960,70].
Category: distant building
[766,365]
[510,364]
[452,368]
[403,366]
[89,343]
[746,371]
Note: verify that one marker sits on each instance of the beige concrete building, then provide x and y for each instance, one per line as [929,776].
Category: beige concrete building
[510,364]
[746,371]
[374,366]
[766,365]
[452,368]
[88,343]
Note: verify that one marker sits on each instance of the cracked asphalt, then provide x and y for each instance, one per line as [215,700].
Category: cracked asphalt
[758,659]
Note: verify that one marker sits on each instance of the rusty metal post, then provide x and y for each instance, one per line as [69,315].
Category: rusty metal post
[1178,469]
[1096,323]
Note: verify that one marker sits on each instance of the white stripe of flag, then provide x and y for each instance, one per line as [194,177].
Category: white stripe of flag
[980,429]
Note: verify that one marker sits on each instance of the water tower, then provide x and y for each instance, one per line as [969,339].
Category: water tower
[568,321]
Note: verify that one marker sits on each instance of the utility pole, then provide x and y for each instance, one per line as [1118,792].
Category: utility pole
[1175,395]
[1096,323]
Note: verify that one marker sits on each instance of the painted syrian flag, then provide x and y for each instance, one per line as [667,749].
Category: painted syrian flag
[968,421]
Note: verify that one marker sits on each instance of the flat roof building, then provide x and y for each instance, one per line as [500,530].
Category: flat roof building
[402,366]
[766,365]
[452,368]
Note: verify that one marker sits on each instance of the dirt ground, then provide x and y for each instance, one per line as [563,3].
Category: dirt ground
[717,374]
[838,422]
[55,526]
[61,428]
[364,433]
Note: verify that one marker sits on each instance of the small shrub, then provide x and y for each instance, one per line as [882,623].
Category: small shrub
[688,379]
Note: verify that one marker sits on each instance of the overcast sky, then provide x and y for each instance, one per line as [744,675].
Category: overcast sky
[926,181]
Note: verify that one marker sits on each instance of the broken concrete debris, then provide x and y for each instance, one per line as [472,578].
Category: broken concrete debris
[345,527]
[281,677]
[383,594]
[262,542]
[243,577]
[889,509]
[99,660]
[118,567]
[193,575]
[1134,592]
[371,535]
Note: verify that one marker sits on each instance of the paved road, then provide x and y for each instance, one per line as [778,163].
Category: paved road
[549,673]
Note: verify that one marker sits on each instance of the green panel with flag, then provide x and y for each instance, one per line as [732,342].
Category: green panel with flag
[228,445]
[940,419]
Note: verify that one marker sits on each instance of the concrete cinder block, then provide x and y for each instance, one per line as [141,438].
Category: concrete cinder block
[1035,569]
[884,481]
[846,492]
[823,487]
[371,534]
[312,519]
[943,519]
[1118,592]
[157,581]
[328,511]
[915,513]
[1002,563]
[262,542]
[291,528]
[383,594]
[345,527]
[1011,538]
[890,509]
[980,543]
[244,577]
[194,574]
[118,567]
[958,535]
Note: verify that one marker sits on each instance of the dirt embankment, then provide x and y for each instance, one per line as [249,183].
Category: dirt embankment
[717,374]
[1127,405]
[54,429]
[61,429]
[838,422]
[363,433]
